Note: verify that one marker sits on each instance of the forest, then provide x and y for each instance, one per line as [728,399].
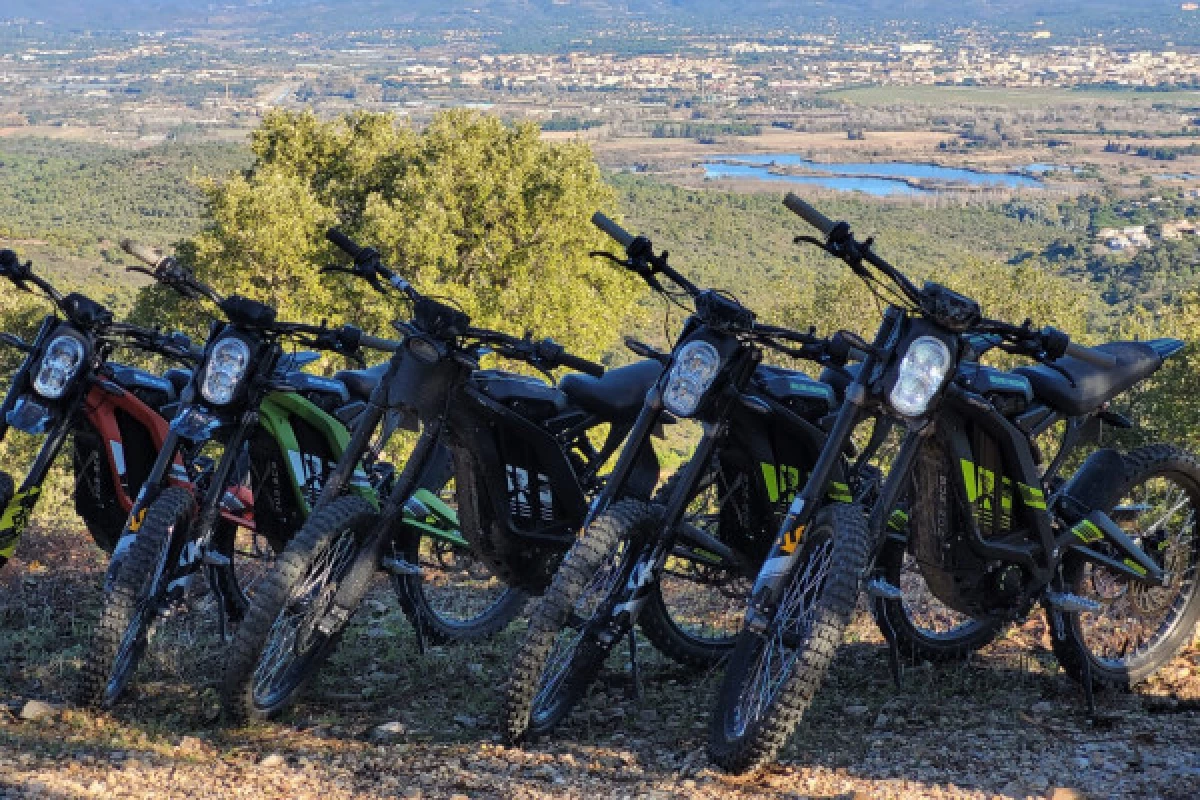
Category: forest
[67,204]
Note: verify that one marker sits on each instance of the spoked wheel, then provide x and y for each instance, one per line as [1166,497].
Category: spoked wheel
[695,610]
[560,655]
[295,620]
[1139,628]
[119,641]
[772,677]
[924,627]
[456,598]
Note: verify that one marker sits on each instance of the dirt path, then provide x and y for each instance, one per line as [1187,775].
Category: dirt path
[1006,725]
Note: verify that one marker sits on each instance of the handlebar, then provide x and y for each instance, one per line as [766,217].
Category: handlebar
[618,234]
[142,253]
[169,272]
[809,214]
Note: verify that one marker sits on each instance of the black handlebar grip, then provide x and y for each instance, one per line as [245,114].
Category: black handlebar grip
[581,364]
[141,252]
[619,234]
[809,214]
[1097,358]
[376,343]
[344,242]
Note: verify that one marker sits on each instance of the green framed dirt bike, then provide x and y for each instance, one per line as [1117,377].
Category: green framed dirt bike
[216,522]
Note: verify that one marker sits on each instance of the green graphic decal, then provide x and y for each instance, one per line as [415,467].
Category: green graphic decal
[782,483]
[1087,532]
[15,518]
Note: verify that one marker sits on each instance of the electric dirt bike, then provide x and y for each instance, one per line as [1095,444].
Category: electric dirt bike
[67,386]
[1110,553]
[524,468]
[680,566]
[215,521]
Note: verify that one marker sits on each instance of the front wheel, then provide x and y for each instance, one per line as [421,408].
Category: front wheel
[302,607]
[1138,628]
[773,676]
[130,611]
[561,655]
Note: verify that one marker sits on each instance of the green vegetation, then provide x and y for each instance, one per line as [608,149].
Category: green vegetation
[486,215]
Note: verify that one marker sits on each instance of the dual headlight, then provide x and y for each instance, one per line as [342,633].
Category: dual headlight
[59,365]
[696,366]
[921,374]
[224,370]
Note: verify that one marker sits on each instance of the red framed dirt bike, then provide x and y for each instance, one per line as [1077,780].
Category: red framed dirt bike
[66,386]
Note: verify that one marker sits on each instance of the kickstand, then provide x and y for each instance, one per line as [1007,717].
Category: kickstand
[635,678]
[419,630]
[889,635]
[1089,693]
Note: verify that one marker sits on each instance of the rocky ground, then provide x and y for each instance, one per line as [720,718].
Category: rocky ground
[385,721]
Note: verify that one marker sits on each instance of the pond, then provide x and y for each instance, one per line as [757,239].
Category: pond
[883,178]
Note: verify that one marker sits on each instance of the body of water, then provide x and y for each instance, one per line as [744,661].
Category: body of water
[884,178]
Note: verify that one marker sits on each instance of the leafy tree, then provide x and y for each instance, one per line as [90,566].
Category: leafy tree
[482,213]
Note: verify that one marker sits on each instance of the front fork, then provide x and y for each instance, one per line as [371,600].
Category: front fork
[390,522]
[627,602]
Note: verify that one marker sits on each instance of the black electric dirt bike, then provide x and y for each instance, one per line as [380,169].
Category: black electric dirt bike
[524,468]
[67,386]
[680,566]
[277,442]
[1110,553]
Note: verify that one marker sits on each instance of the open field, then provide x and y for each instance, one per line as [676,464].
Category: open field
[997,97]
[1003,726]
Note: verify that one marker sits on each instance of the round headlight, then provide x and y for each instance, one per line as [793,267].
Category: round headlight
[59,364]
[227,364]
[693,371]
[922,372]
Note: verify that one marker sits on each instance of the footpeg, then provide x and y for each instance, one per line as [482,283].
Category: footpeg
[881,589]
[333,621]
[1072,603]
[400,567]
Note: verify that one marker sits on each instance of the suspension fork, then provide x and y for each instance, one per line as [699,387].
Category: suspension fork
[627,461]
[147,494]
[785,551]
[628,602]
[390,521]
[360,440]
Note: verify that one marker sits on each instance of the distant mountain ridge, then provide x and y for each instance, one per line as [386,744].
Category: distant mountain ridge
[500,14]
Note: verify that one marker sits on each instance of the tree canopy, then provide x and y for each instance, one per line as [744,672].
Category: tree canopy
[471,209]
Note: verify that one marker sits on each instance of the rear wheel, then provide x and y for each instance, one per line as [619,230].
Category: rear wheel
[560,655]
[695,609]
[925,629]
[293,622]
[456,598]
[1138,628]
[772,677]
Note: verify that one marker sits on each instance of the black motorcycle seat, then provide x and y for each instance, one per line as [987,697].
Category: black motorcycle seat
[361,382]
[617,395]
[133,378]
[1093,385]
[530,396]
